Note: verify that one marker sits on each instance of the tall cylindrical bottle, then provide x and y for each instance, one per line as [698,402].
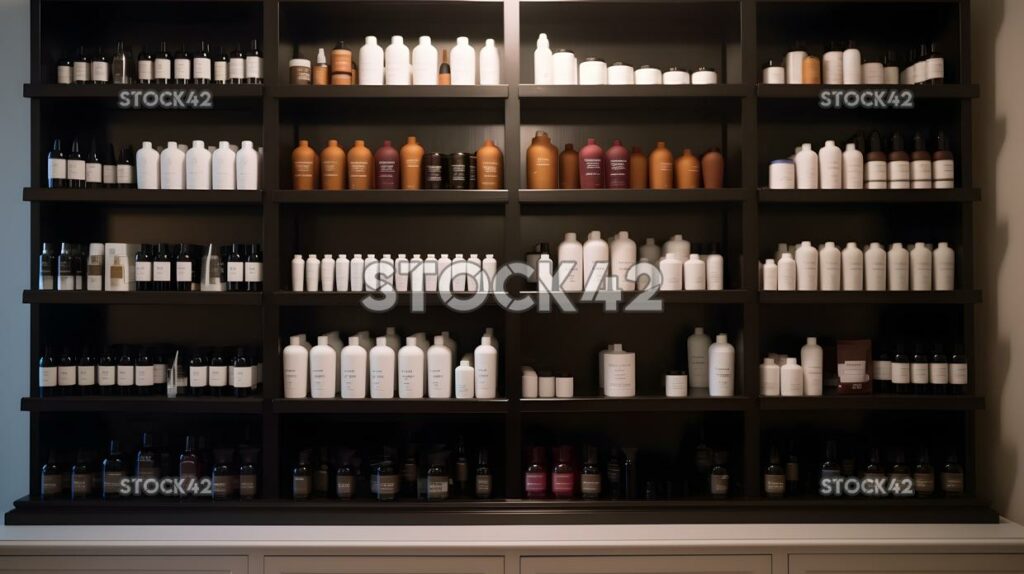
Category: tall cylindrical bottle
[332,167]
[637,168]
[721,367]
[712,169]
[385,161]
[569,168]
[303,158]
[360,166]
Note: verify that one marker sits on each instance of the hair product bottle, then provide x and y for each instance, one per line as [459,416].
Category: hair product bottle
[541,163]
[360,166]
[712,168]
[687,171]
[303,158]
[592,164]
[411,157]
[490,171]
[659,166]
[569,168]
[617,172]
[637,168]
[332,167]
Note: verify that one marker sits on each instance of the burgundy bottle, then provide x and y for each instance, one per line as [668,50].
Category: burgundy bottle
[536,475]
[591,166]
[617,166]
[386,167]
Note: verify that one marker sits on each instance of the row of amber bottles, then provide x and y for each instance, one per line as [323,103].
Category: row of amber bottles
[387,168]
[617,168]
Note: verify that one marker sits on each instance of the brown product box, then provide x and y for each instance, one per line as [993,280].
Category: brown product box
[853,363]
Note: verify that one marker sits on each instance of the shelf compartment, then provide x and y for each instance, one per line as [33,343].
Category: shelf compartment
[389,92]
[123,196]
[937,92]
[640,404]
[962,297]
[139,298]
[390,406]
[876,402]
[111,91]
[871,196]
[632,196]
[115,404]
[714,91]
[392,196]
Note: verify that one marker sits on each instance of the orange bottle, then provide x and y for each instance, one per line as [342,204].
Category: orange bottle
[687,171]
[411,158]
[489,166]
[541,163]
[811,70]
[360,166]
[712,169]
[303,166]
[637,169]
[332,167]
[659,167]
[569,168]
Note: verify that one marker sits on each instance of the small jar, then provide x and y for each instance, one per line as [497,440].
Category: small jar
[300,71]
[872,73]
[620,74]
[782,174]
[433,171]
[564,68]
[647,76]
[704,76]
[675,77]
[593,72]
[563,386]
[341,79]
[546,386]
[675,385]
[773,73]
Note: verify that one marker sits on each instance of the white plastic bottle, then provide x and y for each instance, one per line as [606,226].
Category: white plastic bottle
[439,370]
[770,377]
[247,167]
[198,163]
[795,65]
[485,365]
[490,64]
[147,167]
[650,250]
[715,271]
[792,378]
[465,377]
[353,370]
[830,166]
[323,361]
[298,273]
[371,267]
[371,63]
[341,273]
[898,262]
[920,268]
[671,273]
[623,258]
[943,261]
[473,268]
[172,167]
[806,268]
[397,69]
[463,63]
[679,246]
[312,273]
[697,346]
[295,362]
[830,266]
[386,273]
[401,273]
[853,167]
[721,367]
[327,273]
[832,67]
[595,251]
[570,251]
[874,267]
[787,273]
[770,274]
[853,267]
[812,362]
[459,279]
[619,368]
[851,65]
[424,63]
[543,66]
[490,272]
[806,168]
[411,364]
[382,370]
[356,268]
[695,274]
[223,161]
[444,280]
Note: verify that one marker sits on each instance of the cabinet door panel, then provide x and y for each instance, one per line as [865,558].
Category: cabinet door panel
[648,565]
[906,564]
[125,564]
[383,565]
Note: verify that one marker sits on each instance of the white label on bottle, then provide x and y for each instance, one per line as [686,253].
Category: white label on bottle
[877,171]
[57,168]
[253,67]
[919,373]
[106,376]
[901,373]
[143,271]
[47,377]
[942,169]
[220,72]
[921,170]
[100,72]
[236,271]
[125,375]
[899,171]
[254,271]
[958,373]
[218,376]
[63,74]
[109,174]
[162,69]
[81,72]
[124,175]
[935,69]
[242,377]
[93,173]
[145,70]
[144,375]
[159,374]
[236,68]
[66,376]
[938,373]
[182,69]
[201,68]
[161,271]
[65,283]
[183,271]
[197,377]
[318,380]
[881,370]
[86,376]
[76,169]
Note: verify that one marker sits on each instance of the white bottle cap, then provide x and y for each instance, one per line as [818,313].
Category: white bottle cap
[295,340]
[439,340]
[830,143]
[410,341]
[321,340]
[769,261]
[698,331]
[803,243]
[328,256]
[851,147]
[812,340]
[830,244]
[382,341]
[805,146]
[570,236]
[489,256]
[297,257]
[147,145]
[489,42]
[943,244]
[694,257]
[768,361]
[462,41]
[721,338]
[321,57]
[594,235]
[790,360]
[198,143]
[485,340]
[172,144]
[353,340]
[371,40]
[622,235]
[312,256]
[616,347]
[396,39]
[464,363]
[425,40]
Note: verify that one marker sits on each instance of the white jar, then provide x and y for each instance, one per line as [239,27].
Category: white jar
[564,68]
[620,74]
[647,76]
[593,72]
[773,74]
[782,174]
[675,77]
[704,76]
[619,368]
[529,382]
[675,385]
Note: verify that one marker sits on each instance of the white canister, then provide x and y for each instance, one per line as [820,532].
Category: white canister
[563,386]
[564,65]
[873,73]
[782,174]
[675,385]
[546,386]
[773,74]
[620,74]
[704,76]
[530,383]
[675,77]
[593,72]
[647,76]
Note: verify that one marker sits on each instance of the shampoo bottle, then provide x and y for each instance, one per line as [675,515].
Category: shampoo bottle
[853,268]
[465,383]
[322,365]
[570,252]
[411,365]
[397,69]
[787,273]
[424,63]
[770,377]
[147,167]
[830,166]
[541,163]
[637,169]
[223,166]
[569,168]
[543,67]
[382,370]
[811,360]
[303,161]
[623,258]
[920,268]
[247,167]
[439,370]
[595,252]
[687,171]
[353,370]
[332,167]
[660,168]
[806,168]
[360,166]
[853,167]
[592,164]
[943,263]
[489,166]
[371,63]
[463,63]
[697,346]
[874,268]
[831,266]
[721,367]
[485,369]
[295,361]
[695,273]
[411,157]
[617,172]
[198,162]
[490,64]
[792,378]
[898,262]
[172,167]
[806,268]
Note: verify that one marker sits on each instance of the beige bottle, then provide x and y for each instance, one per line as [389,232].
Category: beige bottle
[637,169]
[569,168]
[687,171]
[411,158]
[659,167]
[303,166]
[360,166]
[812,70]
[541,163]
[332,167]
[489,168]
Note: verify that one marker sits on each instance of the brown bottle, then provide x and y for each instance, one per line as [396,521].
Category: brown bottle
[569,168]
[341,59]
[303,160]
[386,162]
[812,70]
[412,159]
[541,163]
[687,171]
[637,169]
[489,168]
[712,167]
[360,166]
[444,72]
[659,167]
[332,167]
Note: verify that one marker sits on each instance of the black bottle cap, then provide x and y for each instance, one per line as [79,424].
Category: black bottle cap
[876,141]
[941,143]
[919,142]
[897,142]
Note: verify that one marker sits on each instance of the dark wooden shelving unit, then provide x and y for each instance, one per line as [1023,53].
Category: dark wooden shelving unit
[751,123]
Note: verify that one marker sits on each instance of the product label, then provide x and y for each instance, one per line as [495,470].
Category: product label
[593,167]
[145,70]
[80,72]
[201,68]
[236,69]
[301,486]
[100,72]
[590,485]
[76,169]
[719,484]
[197,376]
[247,486]
[112,482]
[562,484]
[106,376]
[242,377]
[63,74]
[924,483]
[345,486]
[220,72]
[217,376]
[921,170]
[918,373]
[881,370]
[162,69]
[942,170]
[437,487]
[253,67]
[109,175]
[93,173]
[536,483]
[161,271]
[877,171]
[144,376]
[47,377]
[958,374]
[953,482]
[182,69]
[774,484]
[899,171]
[183,271]
[236,271]
[81,484]
[143,271]
[938,373]
[253,272]
[387,485]
[160,374]
[66,376]
[125,375]
[57,168]
[86,376]
[935,68]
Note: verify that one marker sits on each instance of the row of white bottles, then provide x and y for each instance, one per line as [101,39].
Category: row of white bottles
[178,166]
[826,268]
[712,366]
[397,66]
[546,385]
[381,368]
[783,376]
[669,266]
[458,274]
[839,66]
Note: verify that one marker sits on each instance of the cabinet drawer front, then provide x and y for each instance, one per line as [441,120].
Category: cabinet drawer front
[906,564]
[126,564]
[648,565]
[383,565]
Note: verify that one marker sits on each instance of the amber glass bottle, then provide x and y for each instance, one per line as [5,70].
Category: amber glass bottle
[332,167]
[687,171]
[412,159]
[659,167]
[489,168]
[541,163]
[360,166]
[569,168]
[637,168]
[303,160]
